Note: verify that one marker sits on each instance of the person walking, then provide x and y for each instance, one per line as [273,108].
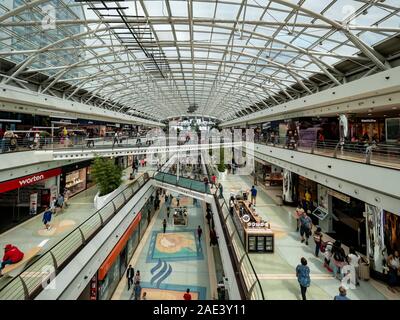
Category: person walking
[303,277]
[144,296]
[187,295]
[342,294]
[129,276]
[59,202]
[115,141]
[231,205]
[47,218]
[168,212]
[339,257]
[214,180]
[164,225]
[221,191]
[253,195]
[318,240]
[136,290]
[137,277]
[297,214]
[328,255]
[199,233]
[354,261]
[213,238]
[66,194]
[305,227]
[307,197]
[205,180]
[208,216]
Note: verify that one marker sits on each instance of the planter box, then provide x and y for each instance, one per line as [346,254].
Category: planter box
[100,202]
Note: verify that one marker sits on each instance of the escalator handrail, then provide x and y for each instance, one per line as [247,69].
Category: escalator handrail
[140,181]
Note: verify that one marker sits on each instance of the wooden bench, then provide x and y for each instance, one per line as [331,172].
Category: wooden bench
[12,270]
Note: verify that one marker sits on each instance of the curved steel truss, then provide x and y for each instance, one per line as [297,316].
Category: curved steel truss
[219,58]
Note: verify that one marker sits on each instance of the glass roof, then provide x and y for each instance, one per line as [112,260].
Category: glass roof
[160,58]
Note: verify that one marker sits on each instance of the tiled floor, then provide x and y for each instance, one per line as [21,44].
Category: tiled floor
[277,271]
[172,262]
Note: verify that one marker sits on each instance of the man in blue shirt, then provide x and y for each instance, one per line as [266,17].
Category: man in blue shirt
[253,195]
[342,294]
[47,218]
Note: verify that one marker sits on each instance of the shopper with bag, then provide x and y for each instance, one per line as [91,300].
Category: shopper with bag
[339,259]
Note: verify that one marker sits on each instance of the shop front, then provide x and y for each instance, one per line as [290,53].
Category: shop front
[367,129]
[350,223]
[76,177]
[27,196]
[114,267]
[122,162]
[267,174]
[342,217]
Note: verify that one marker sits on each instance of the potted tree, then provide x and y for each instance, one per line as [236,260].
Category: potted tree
[108,177]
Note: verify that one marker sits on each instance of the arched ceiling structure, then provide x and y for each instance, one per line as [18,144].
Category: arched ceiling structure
[219,58]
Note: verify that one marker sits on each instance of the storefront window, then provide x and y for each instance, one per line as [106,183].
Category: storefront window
[75,181]
[132,243]
[143,223]
[110,281]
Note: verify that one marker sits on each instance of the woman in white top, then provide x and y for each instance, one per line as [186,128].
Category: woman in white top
[394,267]
[354,260]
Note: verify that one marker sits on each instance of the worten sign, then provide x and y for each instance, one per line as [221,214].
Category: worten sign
[27,180]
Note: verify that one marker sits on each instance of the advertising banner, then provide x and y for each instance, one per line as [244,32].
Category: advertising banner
[28,180]
[33,203]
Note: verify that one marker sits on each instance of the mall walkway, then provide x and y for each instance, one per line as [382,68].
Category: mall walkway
[172,262]
[277,271]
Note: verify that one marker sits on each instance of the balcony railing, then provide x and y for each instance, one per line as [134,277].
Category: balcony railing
[378,154]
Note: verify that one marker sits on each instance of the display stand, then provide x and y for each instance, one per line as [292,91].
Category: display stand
[255,233]
[180,217]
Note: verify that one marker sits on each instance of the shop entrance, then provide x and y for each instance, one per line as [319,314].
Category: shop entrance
[350,228]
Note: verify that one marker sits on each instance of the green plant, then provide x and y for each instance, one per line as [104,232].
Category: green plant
[106,174]
[221,165]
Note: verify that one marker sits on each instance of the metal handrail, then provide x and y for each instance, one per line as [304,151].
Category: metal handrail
[175,182]
[239,260]
[29,282]
[22,144]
